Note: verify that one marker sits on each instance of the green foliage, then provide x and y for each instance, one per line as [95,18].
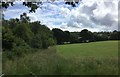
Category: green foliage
[35,27]
[20,47]
[43,36]
[51,41]
[84,36]
[22,36]
[36,41]
[59,35]
[45,41]
[66,36]
[24,18]
[115,35]
[74,37]
[7,38]
[23,31]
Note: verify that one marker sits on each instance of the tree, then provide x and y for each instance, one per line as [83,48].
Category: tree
[114,35]
[59,35]
[45,42]
[36,41]
[7,38]
[20,47]
[86,35]
[32,5]
[66,36]
[35,27]
[43,35]
[23,31]
[24,18]
[51,41]
[74,37]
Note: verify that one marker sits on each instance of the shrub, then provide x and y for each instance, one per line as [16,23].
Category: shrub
[20,47]
[7,39]
[23,31]
[36,42]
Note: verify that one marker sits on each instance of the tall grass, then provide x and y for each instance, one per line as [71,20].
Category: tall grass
[48,62]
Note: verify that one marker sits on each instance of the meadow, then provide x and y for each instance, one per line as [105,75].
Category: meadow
[102,49]
[96,58]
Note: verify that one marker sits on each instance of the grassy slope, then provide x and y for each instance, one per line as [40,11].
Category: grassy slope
[48,62]
[95,49]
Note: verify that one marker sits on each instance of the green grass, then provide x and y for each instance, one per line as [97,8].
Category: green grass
[98,58]
[94,49]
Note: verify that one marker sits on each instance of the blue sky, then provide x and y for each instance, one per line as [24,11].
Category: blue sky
[93,15]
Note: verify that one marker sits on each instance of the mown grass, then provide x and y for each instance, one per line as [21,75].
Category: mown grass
[53,61]
[94,49]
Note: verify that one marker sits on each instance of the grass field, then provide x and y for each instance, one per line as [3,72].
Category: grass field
[97,58]
[94,49]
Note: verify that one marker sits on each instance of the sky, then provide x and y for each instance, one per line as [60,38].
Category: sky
[94,15]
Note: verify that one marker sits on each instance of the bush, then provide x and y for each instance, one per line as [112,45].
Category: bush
[36,41]
[23,31]
[20,47]
[7,39]
[45,43]
[51,41]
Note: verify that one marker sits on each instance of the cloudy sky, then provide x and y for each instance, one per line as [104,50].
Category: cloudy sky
[94,15]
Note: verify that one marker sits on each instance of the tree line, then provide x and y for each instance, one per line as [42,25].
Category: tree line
[84,36]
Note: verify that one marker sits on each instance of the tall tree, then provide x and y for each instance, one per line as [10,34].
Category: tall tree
[85,35]
[59,35]
[66,36]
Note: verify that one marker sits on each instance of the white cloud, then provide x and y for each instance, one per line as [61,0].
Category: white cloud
[102,15]
[95,15]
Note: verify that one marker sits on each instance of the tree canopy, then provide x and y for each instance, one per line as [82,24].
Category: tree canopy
[20,36]
[84,36]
